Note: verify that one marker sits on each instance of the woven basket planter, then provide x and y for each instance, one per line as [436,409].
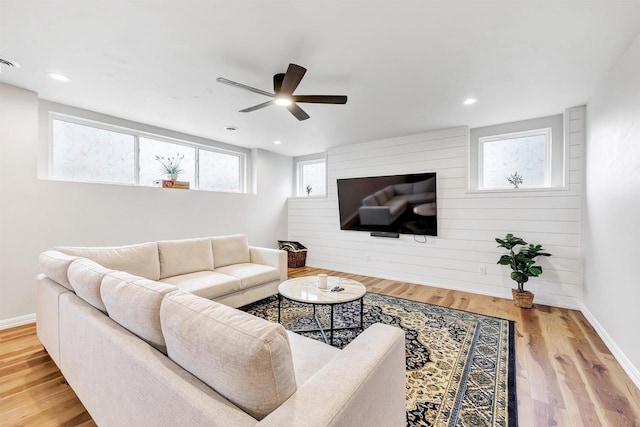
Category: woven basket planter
[296,259]
[296,253]
[522,299]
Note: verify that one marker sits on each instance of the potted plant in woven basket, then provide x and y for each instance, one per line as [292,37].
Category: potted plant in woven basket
[523,265]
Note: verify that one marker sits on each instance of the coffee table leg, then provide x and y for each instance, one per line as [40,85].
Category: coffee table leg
[331,324]
[361,312]
[320,328]
[279,306]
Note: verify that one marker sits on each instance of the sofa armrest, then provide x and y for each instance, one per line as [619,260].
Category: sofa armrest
[375,215]
[363,385]
[271,257]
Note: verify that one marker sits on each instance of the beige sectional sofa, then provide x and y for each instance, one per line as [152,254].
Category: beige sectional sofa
[137,334]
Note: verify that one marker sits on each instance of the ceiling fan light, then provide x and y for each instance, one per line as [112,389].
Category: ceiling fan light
[283,101]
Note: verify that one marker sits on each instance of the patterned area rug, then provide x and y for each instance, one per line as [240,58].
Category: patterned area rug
[460,365]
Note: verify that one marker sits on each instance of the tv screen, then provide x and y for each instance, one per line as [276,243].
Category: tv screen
[397,203]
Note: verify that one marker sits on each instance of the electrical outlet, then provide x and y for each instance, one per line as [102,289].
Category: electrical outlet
[368,258]
[482,270]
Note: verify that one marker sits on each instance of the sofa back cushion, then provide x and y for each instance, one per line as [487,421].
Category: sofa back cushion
[140,260]
[134,303]
[244,358]
[426,186]
[55,265]
[229,250]
[390,191]
[184,256]
[381,197]
[403,189]
[86,278]
[370,201]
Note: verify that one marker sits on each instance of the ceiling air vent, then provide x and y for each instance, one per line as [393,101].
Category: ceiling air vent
[7,63]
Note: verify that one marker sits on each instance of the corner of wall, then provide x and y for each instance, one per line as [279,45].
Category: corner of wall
[624,361]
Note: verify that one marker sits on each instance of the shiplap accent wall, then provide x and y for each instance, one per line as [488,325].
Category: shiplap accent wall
[468,222]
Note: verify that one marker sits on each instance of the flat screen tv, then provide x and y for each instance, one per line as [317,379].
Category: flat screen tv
[397,203]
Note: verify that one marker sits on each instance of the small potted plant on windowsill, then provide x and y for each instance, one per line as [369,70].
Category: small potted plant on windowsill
[522,264]
[170,166]
[515,180]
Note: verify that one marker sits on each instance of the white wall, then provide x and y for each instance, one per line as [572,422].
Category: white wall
[36,215]
[467,222]
[611,211]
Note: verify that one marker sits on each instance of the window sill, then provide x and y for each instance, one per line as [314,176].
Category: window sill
[322,196]
[516,190]
[125,184]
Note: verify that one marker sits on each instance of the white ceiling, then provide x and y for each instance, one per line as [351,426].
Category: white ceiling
[406,66]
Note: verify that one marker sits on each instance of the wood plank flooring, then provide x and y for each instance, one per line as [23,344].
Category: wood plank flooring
[566,376]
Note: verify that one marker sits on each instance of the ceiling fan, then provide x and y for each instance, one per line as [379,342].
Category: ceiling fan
[284,84]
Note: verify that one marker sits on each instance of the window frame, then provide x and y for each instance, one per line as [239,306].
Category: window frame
[558,162]
[548,143]
[137,134]
[300,164]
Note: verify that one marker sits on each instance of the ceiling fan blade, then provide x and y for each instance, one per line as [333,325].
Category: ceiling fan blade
[241,86]
[298,112]
[277,82]
[256,107]
[292,79]
[321,99]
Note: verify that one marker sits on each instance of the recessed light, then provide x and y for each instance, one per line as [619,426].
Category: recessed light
[470,101]
[58,77]
[283,101]
[231,128]
[277,142]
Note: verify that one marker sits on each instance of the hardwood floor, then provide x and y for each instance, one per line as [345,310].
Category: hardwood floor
[33,392]
[566,376]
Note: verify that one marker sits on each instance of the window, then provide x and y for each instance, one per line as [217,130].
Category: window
[150,168]
[97,152]
[219,171]
[311,177]
[525,153]
[534,148]
[85,153]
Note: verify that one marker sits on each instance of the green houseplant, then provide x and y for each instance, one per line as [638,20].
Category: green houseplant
[171,165]
[522,264]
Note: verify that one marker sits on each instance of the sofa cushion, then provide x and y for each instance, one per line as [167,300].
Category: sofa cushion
[229,250]
[134,303]
[370,201]
[390,191]
[396,206]
[309,356]
[381,197]
[184,256]
[251,275]
[419,198]
[244,358]
[55,265]
[404,188]
[86,278]
[425,186]
[206,284]
[140,260]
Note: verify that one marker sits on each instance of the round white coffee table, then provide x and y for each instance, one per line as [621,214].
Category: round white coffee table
[305,290]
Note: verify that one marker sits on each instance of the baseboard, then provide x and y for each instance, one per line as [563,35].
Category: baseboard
[17,321]
[541,298]
[624,361]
